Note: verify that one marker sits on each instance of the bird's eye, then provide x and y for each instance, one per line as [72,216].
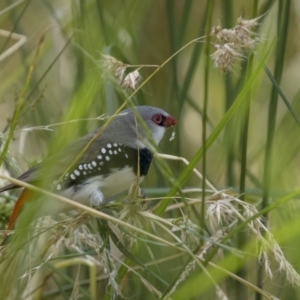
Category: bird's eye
[158,119]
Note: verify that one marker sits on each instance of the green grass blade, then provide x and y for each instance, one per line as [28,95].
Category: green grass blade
[219,128]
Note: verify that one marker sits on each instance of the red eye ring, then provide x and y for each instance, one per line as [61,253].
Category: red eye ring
[158,119]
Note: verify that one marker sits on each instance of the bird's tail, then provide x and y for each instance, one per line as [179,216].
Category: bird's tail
[24,197]
[17,208]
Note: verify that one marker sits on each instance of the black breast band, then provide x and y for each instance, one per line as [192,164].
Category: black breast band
[145,161]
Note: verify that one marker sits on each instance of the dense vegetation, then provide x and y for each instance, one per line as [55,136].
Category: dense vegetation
[224,217]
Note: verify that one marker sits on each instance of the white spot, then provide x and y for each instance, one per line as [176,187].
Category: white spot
[107,158]
[90,172]
[85,166]
[110,152]
[77,173]
[73,176]
[115,144]
[99,157]
[126,155]
[119,149]
[58,187]
[90,166]
[101,163]
[115,152]
[94,163]
[99,169]
[80,167]
[103,150]
[108,145]
[84,172]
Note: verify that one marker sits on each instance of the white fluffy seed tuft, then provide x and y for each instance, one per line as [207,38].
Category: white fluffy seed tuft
[234,43]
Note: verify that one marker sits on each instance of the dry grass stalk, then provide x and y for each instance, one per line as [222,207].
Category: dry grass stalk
[21,40]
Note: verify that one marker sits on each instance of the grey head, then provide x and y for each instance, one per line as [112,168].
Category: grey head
[127,129]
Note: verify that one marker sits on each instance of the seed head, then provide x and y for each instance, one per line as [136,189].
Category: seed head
[248,23]
[114,67]
[132,80]
[225,56]
[234,43]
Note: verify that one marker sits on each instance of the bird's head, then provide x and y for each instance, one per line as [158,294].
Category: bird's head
[128,125]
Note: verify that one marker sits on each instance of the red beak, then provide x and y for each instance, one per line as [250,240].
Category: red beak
[169,121]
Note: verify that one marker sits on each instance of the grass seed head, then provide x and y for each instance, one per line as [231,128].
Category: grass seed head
[233,43]
[132,80]
[114,67]
[225,56]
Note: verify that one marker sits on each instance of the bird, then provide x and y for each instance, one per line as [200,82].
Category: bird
[115,158]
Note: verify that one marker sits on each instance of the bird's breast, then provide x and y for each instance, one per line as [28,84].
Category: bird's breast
[118,181]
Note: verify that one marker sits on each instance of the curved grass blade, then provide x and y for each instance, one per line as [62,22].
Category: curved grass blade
[280,92]
[216,132]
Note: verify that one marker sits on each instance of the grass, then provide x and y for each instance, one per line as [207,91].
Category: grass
[224,194]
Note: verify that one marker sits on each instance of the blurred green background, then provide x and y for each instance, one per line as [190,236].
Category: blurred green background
[67,84]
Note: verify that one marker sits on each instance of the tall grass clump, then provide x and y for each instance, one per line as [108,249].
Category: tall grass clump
[220,215]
